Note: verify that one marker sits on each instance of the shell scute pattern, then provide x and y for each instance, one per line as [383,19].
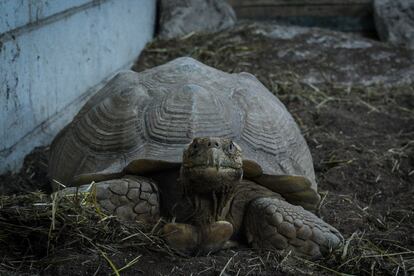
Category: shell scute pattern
[188,112]
[156,113]
[113,125]
[260,130]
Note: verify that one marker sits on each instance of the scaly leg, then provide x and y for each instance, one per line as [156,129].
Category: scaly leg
[273,222]
[130,198]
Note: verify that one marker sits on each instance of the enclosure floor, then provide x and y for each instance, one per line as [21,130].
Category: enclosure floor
[362,143]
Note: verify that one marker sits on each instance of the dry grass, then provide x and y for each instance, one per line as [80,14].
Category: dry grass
[36,228]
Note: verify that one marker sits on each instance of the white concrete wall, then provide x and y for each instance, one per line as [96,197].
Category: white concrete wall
[53,55]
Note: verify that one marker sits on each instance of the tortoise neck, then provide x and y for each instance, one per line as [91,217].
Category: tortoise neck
[210,207]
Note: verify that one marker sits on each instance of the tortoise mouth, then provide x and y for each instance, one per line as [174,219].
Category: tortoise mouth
[205,179]
[211,166]
[213,172]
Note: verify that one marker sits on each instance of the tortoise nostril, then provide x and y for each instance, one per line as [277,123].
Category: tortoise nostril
[214,144]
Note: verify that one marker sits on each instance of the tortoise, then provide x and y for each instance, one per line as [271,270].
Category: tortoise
[214,153]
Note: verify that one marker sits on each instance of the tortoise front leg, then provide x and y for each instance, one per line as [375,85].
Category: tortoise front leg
[130,198]
[273,222]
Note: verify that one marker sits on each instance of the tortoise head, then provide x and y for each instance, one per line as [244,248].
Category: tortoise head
[211,163]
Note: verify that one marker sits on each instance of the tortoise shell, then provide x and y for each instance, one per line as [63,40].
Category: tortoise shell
[141,122]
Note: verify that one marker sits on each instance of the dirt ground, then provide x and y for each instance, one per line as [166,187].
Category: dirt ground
[362,142]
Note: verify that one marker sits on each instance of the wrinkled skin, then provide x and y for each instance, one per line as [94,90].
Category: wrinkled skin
[211,169]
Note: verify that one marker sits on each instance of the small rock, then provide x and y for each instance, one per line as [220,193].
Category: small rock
[181,17]
[394,20]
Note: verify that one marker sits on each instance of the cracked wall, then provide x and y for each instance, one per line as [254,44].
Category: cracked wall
[53,55]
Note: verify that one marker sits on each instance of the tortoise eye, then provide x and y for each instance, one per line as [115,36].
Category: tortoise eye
[231,147]
[195,145]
